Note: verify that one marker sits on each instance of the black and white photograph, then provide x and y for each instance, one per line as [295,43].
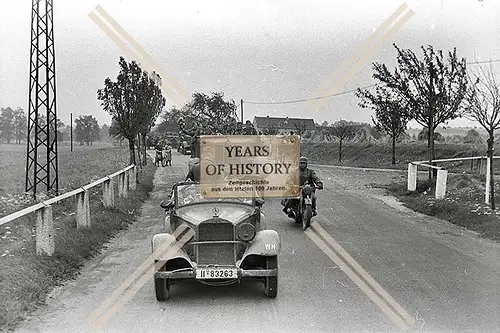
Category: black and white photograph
[238,166]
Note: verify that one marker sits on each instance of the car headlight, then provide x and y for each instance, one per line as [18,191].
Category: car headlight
[246,232]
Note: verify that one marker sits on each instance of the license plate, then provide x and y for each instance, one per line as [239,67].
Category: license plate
[216,273]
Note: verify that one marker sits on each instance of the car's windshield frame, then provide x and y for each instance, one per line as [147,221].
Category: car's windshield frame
[177,204]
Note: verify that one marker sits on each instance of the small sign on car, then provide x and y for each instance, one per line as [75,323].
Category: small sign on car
[249,166]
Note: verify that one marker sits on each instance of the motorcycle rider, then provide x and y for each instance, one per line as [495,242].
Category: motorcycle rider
[309,176]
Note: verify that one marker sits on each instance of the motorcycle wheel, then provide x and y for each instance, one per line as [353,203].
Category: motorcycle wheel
[298,216]
[306,219]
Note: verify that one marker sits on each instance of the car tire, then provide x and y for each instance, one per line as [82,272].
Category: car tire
[162,289]
[271,282]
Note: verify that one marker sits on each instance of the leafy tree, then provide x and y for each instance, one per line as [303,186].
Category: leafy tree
[390,117]
[7,129]
[64,133]
[151,103]
[170,121]
[104,132]
[126,101]
[86,129]
[431,89]
[115,131]
[60,130]
[206,115]
[324,124]
[483,105]
[20,123]
[343,131]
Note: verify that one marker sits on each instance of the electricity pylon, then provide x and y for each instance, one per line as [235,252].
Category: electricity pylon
[41,161]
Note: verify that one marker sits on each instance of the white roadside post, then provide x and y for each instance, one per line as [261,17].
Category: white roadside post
[442,176]
[412,177]
[121,185]
[133,178]
[82,209]
[45,231]
[108,193]
[126,183]
[488,179]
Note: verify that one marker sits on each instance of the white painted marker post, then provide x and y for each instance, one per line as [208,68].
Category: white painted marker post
[442,176]
[488,179]
[412,177]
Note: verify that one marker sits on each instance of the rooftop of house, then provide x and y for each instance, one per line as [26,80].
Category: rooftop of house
[284,123]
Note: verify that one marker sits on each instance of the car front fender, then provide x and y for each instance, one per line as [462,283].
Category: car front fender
[266,243]
[167,241]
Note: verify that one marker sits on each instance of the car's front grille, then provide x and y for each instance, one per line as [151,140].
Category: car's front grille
[215,231]
[222,253]
[216,254]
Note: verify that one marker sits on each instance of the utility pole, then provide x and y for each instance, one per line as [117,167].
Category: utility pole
[71,130]
[42,138]
[242,111]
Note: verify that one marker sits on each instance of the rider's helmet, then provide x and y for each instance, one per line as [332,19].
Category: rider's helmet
[303,163]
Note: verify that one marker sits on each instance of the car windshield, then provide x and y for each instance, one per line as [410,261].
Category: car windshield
[190,193]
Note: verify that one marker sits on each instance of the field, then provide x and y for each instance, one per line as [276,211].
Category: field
[76,168]
[25,277]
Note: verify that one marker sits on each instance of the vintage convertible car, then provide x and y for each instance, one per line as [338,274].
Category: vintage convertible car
[215,241]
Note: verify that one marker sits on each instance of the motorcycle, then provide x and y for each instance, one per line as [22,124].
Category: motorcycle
[303,210]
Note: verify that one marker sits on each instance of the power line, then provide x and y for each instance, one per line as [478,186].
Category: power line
[347,91]
[311,99]
[481,62]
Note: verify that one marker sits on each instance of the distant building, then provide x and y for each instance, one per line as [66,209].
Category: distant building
[283,125]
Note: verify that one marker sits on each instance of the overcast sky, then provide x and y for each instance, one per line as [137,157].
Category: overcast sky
[229,46]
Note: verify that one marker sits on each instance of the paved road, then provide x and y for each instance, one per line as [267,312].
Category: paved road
[446,279]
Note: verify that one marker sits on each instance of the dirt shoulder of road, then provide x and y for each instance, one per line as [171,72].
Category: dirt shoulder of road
[367,180]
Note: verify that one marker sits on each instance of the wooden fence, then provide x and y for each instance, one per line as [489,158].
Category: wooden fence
[44,221]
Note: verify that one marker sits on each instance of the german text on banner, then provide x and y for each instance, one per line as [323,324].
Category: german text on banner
[246,166]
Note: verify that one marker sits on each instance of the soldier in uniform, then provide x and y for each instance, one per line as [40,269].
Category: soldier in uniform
[167,155]
[158,154]
[249,129]
[194,171]
[309,176]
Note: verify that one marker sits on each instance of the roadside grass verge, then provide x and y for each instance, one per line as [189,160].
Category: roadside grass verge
[80,167]
[27,278]
[463,204]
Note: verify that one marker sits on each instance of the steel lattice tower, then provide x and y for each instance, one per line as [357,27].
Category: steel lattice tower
[41,162]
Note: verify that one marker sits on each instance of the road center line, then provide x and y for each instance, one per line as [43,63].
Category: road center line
[363,273]
[393,316]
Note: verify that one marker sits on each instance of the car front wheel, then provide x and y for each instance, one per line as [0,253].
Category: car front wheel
[162,289]
[271,282]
